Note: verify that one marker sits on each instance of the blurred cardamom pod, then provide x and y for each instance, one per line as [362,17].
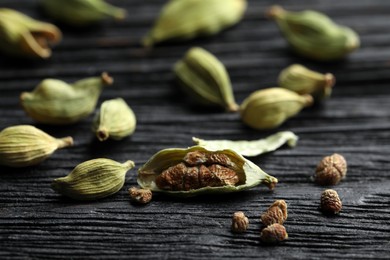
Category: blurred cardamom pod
[205,79]
[182,20]
[23,36]
[25,145]
[56,102]
[115,120]
[314,35]
[269,108]
[93,179]
[305,81]
[82,12]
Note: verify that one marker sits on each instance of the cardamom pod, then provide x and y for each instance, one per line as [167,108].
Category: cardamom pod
[305,81]
[115,120]
[196,170]
[25,145]
[205,79]
[25,37]
[269,108]
[93,179]
[82,12]
[314,35]
[57,103]
[183,20]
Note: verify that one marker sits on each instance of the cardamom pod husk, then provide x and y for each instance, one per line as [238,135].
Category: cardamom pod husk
[183,20]
[25,37]
[205,79]
[79,13]
[302,80]
[56,102]
[269,108]
[26,145]
[314,35]
[93,179]
[115,120]
[197,170]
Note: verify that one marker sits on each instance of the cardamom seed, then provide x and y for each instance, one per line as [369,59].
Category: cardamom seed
[25,37]
[205,79]
[196,170]
[183,20]
[115,120]
[273,234]
[25,145]
[81,13]
[269,108]
[93,179]
[314,35]
[57,103]
[276,213]
[141,196]
[302,80]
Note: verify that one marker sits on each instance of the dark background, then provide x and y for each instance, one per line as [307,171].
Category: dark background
[35,222]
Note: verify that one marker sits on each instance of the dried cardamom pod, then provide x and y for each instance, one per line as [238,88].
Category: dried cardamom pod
[196,170]
[82,12]
[251,148]
[205,79]
[23,36]
[93,179]
[314,35]
[269,108]
[58,103]
[304,81]
[115,120]
[25,145]
[182,20]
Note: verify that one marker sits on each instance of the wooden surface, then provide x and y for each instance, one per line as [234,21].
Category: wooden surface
[35,222]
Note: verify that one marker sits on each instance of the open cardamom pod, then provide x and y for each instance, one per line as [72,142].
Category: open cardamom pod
[314,35]
[58,103]
[25,37]
[115,120]
[302,80]
[25,145]
[82,12]
[93,179]
[205,79]
[269,108]
[182,20]
[196,170]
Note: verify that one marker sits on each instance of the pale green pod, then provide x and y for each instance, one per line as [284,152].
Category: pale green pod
[93,179]
[25,145]
[115,120]
[56,102]
[23,36]
[302,80]
[205,79]
[183,20]
[269,108]
[249,174]
[314,35]
[252,147]
[80,13]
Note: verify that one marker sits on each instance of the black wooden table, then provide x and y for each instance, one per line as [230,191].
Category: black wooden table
[35,222]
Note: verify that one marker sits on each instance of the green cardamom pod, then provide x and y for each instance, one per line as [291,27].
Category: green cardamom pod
[314,35]
[58,103]
[269,108]
[25,145]
[183,20]
[302,80]
[93,179]
[82,12]
[115,120]
[23,36]
[197,170]
[205,79]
